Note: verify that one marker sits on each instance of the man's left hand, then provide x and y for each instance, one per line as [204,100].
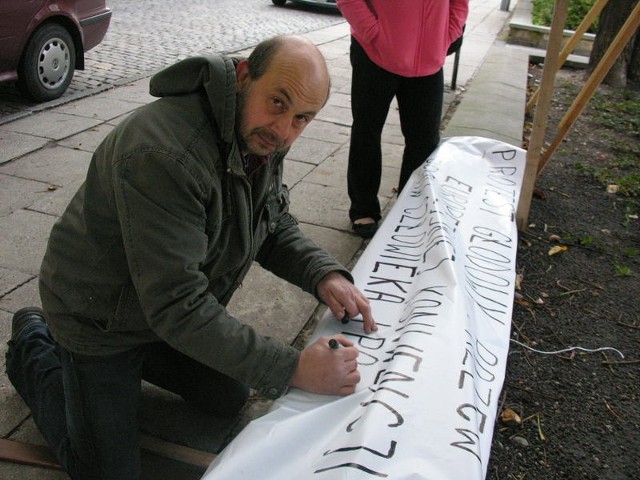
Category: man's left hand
[342,296]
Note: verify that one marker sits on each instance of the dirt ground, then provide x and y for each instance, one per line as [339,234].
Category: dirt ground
[577,412]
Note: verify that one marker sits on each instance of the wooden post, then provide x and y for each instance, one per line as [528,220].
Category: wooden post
[607,61]
[41,456]
[536,140]
[28,454]
[176,452]
[573,41]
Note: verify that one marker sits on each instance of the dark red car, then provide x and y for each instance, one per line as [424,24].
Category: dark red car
[42,42]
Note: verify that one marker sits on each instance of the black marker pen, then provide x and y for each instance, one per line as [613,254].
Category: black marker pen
[334,344]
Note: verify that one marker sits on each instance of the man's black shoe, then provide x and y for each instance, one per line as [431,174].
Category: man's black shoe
[25,318]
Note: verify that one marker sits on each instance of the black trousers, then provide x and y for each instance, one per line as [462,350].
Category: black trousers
[420,108]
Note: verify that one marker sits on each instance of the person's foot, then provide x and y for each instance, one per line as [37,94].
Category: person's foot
[26,318]
[365,227]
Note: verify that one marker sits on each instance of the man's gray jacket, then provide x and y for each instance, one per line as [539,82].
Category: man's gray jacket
[165,228]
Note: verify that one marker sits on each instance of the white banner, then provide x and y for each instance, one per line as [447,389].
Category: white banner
[440,276]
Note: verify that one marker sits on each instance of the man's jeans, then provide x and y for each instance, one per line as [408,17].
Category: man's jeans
[86,406]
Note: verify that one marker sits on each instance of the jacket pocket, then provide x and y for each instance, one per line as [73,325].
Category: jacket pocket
[128,316]
[109,311]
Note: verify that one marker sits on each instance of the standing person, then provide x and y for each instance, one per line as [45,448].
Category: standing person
[179,200]
[398,49]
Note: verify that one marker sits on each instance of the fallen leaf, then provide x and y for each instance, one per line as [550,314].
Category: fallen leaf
[538,193]
[520,300]
[510,418]
[558,249]
[519,278]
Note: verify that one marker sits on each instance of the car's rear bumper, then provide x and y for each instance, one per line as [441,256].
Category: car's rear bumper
[95,28]
[319,3]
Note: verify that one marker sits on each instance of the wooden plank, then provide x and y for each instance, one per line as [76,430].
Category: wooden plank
[177,452]
[541,115]
[28,454]
[41,456]
[156,467]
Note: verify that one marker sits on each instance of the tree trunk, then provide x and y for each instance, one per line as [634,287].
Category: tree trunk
[627,66]
[633,72]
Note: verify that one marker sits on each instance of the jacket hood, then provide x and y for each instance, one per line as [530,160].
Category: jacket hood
[206,73]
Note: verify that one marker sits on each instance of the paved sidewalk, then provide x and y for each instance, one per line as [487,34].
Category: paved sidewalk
[44,158]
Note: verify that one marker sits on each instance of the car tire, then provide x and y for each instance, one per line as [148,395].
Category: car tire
[48,63]
[279,3]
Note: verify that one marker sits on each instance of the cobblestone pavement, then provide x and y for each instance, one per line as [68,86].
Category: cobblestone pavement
[146,35]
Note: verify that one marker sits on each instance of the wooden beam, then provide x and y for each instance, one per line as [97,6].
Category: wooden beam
[28,454]
[536,139]
[177,452]
[41,456]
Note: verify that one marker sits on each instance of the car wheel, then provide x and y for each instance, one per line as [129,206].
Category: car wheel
[279,3]
[48,63]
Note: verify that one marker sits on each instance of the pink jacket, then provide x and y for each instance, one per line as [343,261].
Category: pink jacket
[406,37]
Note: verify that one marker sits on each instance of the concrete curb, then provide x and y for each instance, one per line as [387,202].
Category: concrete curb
[493,105]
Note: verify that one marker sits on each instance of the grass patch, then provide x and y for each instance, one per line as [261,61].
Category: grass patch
[542,13]
[618,171]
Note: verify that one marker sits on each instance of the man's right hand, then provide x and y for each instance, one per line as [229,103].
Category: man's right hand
[325,370]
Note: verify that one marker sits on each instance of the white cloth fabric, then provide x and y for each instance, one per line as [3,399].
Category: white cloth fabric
[440,275]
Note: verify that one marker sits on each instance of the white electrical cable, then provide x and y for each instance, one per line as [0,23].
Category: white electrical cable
[569,349]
